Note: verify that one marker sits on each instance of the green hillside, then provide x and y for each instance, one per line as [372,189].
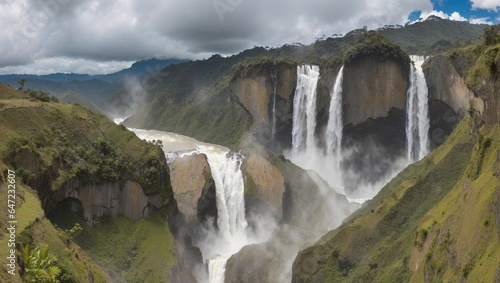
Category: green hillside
[434,221]
[75,98]
[49,145]
[439,219]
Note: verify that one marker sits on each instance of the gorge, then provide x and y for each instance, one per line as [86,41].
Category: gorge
[348,160]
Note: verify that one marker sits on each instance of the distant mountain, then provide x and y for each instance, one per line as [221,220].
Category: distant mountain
[93,87]
[140,68]
[433,35]
[171,100]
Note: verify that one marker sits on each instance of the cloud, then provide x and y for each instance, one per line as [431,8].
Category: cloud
[455,16]
[129,30]
[481,21]
[486,4]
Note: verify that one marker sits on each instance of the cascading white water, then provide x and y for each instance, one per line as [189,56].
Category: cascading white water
[423,108]
[229,185]
[273,126]
[304,108]
[334,128]
[417,121]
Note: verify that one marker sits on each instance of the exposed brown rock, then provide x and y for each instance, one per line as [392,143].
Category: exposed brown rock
[108,198]
[192,184]
[446,84]
[371,88]
[264,184]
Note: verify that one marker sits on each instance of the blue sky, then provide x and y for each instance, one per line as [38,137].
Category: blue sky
[472,10]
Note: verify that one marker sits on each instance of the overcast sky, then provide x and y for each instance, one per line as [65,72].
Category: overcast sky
[102,36]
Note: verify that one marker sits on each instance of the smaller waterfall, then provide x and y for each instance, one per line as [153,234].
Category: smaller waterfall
[417,111]
[229,191]
[217,270]
[334,128]
[304,108]
[273,125]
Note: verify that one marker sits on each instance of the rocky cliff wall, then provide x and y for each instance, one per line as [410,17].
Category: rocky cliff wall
[446,84]
[371,88]
[194,187]
[264,186]
[109,199]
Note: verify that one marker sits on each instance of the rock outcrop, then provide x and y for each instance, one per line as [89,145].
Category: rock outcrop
[264,185]
[371,88]
[255,92]
[110,199]
[446,84]
[194,188]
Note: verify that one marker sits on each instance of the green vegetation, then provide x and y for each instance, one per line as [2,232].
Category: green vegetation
[40,266]
[376,243]
[84,145]
[75,98]
[434,35]
[74,263]
[373,43]
[133,251]
[49,144]
[429,223]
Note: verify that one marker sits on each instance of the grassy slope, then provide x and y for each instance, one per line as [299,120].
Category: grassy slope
[155,252]
[376,243]
[140,251]
[75,98]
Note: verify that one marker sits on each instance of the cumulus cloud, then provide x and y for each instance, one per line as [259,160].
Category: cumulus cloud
[129,30]
[455,16]
[486,4]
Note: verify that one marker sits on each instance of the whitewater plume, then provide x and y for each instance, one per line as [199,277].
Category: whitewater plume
[273,125]
[334,128]
[304,108]
[417,113]
[218,245]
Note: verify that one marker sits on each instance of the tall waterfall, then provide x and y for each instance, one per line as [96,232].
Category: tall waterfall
[229,191]
[225,165]
[417,113]
[334,128]
[229,187]
[273,125]
[304,108]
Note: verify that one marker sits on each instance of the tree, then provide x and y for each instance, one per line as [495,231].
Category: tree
[40,266]
[21,83]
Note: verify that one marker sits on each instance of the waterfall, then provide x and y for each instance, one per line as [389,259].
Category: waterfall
[417,112]
[334,128]
[217,246]
[304,108]
[273,126]
[229,191]
[229,187]
[217,269]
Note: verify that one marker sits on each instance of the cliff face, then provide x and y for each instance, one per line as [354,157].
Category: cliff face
[255,92]
[110,199]
[194,188]
[264,186]
[434,221]
[371,88]
[446,84]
